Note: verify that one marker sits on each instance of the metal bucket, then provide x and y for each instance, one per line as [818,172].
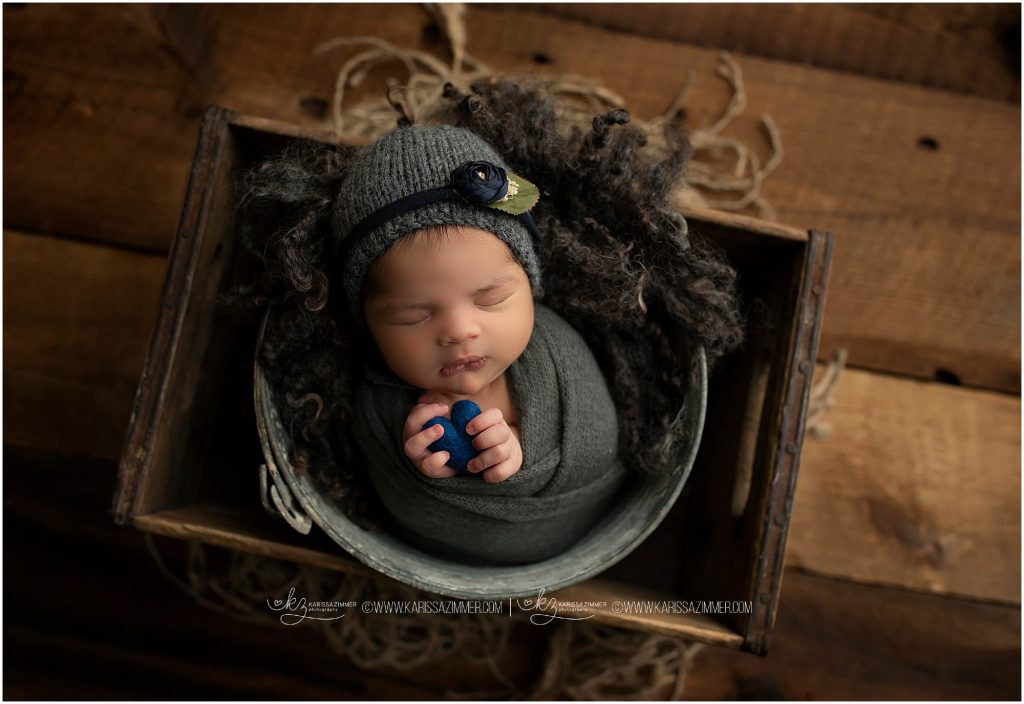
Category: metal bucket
[636,512]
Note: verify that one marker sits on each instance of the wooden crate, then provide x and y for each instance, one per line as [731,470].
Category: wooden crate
[189,464]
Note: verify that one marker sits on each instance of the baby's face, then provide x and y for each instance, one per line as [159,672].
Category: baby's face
[434,300]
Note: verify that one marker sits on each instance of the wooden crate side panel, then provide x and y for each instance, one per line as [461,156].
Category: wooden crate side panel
[785,450]
[735,466]
[146,445]
[241,530]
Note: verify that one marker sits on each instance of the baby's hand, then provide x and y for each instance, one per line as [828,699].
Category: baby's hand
[417,441]
[501,455]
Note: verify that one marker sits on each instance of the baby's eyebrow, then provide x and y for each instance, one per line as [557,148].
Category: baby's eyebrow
[496,283]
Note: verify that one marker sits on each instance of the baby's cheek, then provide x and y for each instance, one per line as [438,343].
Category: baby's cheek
[406,357]
[522,327]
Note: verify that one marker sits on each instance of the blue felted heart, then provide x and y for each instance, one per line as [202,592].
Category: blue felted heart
[456,441]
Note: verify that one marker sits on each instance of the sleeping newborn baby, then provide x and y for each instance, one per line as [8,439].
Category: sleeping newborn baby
[441,268]
[450,310]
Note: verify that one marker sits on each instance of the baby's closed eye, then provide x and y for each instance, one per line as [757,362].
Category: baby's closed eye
[491,301]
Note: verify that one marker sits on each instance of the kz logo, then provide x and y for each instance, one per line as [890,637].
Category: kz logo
[296,610]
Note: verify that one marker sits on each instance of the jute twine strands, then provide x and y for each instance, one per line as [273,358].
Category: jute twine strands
[245,588]
[720,164]
[594,662]
[584,660]
[822,394]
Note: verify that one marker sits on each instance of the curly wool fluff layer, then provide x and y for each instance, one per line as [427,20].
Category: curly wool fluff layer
[311,348]
[617,261]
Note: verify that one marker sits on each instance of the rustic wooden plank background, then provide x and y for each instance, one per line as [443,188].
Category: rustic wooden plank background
[967,48]
[901,133]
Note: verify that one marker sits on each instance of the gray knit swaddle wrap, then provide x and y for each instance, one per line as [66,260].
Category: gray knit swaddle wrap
[570,471]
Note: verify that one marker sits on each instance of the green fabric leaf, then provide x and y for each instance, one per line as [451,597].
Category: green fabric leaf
[524,199]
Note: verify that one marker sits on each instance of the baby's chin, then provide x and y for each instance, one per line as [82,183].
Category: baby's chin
[465,384]
[464,388]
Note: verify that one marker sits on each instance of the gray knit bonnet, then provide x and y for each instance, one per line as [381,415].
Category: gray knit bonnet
[413,160]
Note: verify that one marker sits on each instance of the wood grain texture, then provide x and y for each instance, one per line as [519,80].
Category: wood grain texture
[917,485]
[99,123]
[77,317]
[921,187]
[967,48]
[69,569]
[840,641]
[102,102]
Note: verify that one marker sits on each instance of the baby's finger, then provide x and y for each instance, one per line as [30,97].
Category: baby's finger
[490,457]
[500,472]
[416,447]
[434,466]
[420,415]
[495,435]
[492,416]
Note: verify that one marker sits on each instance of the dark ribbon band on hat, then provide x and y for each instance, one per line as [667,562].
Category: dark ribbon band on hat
[423,198]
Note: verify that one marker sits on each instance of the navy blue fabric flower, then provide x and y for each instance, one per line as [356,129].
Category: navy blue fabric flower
[480,182]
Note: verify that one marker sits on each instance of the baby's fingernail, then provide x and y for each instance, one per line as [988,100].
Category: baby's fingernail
[437,430]
[470,428]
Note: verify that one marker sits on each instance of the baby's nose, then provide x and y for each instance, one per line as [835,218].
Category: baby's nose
[459,328]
